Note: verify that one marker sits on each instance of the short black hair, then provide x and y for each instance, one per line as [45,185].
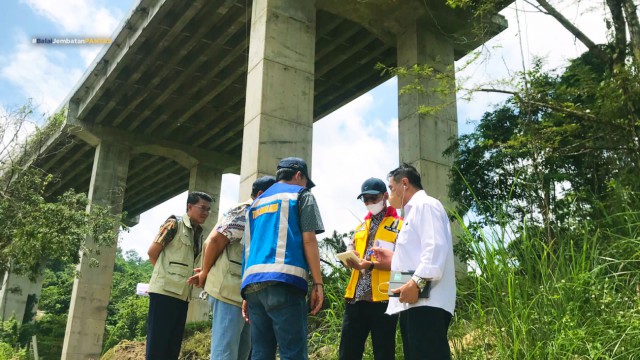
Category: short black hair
[194,198]
[285,174]
[262,184]
[406,171]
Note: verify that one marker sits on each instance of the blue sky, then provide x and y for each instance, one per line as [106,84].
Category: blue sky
[47,74]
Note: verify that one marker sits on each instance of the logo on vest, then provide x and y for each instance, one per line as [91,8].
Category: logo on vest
[264,210]
[394,226]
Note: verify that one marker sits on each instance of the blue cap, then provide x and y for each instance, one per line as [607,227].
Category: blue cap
[372,186]
[297,164]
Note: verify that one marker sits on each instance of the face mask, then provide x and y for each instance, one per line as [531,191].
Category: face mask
[376,208]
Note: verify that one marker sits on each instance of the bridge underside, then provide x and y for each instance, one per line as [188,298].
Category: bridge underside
[173,84]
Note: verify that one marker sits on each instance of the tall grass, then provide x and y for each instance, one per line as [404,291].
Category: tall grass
[575,297]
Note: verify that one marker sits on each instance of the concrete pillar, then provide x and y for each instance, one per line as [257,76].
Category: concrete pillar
[206,179]
[279,104]
[90,296]
[423,137]
[15,291]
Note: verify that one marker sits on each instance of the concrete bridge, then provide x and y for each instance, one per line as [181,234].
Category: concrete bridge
[189,90]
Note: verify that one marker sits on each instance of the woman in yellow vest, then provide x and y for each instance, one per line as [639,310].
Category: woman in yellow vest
[366,295]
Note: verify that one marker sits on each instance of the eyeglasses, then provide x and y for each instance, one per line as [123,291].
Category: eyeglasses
[203,208]
[369,198]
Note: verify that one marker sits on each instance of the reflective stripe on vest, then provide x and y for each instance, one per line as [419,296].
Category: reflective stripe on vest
[273,240]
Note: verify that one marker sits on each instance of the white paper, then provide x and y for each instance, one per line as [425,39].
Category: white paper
[142,289]
[385,245]
[347,255]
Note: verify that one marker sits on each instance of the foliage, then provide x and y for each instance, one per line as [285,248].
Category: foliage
[575,300]
[57,285]
[127,312]
[37,229]
[7,352]
[13,340]
[197,341]
[547,167]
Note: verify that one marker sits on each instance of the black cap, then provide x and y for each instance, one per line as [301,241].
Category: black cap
[262,184]
[372,186]
[297,164]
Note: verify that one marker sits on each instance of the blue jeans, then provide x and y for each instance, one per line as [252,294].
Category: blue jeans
[278,316]
[230,334]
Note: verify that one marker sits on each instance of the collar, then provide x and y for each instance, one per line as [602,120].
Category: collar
[187,222]
[418,197]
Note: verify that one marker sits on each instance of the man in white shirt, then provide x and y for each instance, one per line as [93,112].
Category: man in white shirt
[424,247]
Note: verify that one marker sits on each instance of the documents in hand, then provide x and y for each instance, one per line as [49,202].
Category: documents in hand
[399,278]
[343,256]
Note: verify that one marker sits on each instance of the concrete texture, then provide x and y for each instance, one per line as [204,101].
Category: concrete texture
[279,108]
[424,137]
[207,179]
[90,296]
[14,294]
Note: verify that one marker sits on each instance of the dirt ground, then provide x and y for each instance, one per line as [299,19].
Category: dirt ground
[126,350]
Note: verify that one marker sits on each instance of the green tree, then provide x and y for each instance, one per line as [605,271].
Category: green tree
[35,228]
[548,167]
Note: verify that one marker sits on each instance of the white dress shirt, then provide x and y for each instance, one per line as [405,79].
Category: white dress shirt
[424,245]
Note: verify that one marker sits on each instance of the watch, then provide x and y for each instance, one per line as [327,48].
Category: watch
[420,282]
[371,267]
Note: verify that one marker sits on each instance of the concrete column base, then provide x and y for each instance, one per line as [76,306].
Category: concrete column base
[91,291]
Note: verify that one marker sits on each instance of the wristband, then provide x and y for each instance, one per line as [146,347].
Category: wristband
[371,267]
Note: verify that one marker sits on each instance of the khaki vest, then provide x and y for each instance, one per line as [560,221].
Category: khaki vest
[387,231]
[225,276]
[175,264]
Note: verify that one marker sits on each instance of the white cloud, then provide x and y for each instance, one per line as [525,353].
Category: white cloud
[350,146]
[39,72]
[89,53]
[538,35]
[78,17]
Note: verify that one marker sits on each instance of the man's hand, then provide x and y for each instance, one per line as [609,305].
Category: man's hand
[363,264]
[383,257]
[409,292]
[317,296]
[245,311]
[198,279]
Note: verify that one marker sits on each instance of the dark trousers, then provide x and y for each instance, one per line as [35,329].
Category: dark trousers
[165,326]
[361,318]
[424,333]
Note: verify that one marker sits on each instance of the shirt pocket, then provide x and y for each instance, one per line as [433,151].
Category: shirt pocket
[230,286]
[177,274]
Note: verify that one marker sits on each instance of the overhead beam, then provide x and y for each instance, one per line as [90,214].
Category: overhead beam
[107,68]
